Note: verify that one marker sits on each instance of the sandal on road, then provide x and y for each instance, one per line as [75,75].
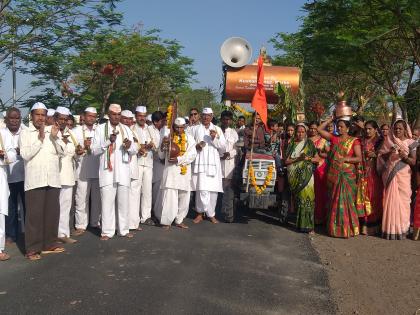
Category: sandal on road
[4,257]
[54,250]
[32,256]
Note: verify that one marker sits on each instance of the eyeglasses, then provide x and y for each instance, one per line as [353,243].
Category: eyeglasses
[193,114]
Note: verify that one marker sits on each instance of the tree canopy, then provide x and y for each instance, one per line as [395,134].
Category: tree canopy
[367,48]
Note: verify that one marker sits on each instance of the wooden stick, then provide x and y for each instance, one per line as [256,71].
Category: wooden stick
[252,150]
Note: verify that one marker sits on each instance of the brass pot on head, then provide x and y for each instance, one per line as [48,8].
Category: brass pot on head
[236,52]
[343,111]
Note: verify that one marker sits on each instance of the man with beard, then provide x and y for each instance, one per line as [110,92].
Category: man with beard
[87,174]
[15,177]
[207,171]
[67,177]
[41,149]
[113,143]
[141,190]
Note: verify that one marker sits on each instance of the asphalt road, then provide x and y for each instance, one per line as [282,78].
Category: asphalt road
[251,267]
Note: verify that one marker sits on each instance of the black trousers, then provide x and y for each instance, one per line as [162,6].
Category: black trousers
[12,219]
[42,217]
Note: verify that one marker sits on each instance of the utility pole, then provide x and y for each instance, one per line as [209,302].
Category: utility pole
[14,65]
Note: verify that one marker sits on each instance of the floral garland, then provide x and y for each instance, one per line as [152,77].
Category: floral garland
[169,116]
[182,143]
[241,110]
[253,180]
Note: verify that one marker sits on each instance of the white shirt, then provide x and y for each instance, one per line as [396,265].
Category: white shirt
[67,174]
[207,170]
[88,163]
[6,145]
[42,158]
[16,170]
[172,177]
[228,165]
[120,158]
[158,166]
[143,136]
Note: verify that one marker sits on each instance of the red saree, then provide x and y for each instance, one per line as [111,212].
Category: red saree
[320,184]
[416,219]
[370,194]
[342,220]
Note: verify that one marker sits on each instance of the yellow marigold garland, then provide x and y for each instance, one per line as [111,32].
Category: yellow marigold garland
[182,143]
[241,110]
[169,116]
[253,181]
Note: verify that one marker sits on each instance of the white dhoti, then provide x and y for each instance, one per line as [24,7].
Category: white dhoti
[174,206]
[205,202]
[84,190]
[112,195]
[2,232]
[134,205]
[66,197]
[145,192]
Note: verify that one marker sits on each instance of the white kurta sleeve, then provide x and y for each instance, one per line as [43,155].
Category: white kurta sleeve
[28,148]
[59,146]
[99,144]
[234,139]
[191,153]
[219,142]
[9,151]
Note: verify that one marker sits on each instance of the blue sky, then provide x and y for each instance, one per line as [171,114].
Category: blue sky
[201,27]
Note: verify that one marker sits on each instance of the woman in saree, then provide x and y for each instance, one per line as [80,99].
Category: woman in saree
[369,197]
[395,158]
[345,153]
[320,177]
[300,156]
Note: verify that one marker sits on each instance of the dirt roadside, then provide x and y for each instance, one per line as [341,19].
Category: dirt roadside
[369,275]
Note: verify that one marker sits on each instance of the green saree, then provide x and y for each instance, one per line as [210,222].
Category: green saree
[301,183]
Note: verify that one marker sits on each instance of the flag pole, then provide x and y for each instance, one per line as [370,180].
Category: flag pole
[252,150]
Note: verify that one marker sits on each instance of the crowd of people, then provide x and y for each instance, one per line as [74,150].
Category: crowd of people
[133,169]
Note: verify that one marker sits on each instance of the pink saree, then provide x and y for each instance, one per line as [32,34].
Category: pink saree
[396,177]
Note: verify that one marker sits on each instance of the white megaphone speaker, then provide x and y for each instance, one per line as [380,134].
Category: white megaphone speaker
[236,52]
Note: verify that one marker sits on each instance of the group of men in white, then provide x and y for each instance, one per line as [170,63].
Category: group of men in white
[120,174]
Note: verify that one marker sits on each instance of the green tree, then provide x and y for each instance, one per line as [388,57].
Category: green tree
[42,34]
[363,47]
[126,68]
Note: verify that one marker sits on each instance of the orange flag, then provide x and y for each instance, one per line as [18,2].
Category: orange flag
[259,102]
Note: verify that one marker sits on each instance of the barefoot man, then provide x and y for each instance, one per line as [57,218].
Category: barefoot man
[176,181]
[207,171]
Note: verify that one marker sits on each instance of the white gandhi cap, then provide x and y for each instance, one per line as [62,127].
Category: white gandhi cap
[127,113]
[179,122]
[39,105]
[63,110]
[141,109]
[207,110]
[91,110]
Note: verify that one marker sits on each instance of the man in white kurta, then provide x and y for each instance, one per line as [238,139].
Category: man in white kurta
[228,165]
[176,180]
[16,175]
[207,170]
[7,156]
[141,189]
[158,165]
[133,200]
[87,174]
[113,142]
[67,174]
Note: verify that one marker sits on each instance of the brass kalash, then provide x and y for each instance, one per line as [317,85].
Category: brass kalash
[258,189]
